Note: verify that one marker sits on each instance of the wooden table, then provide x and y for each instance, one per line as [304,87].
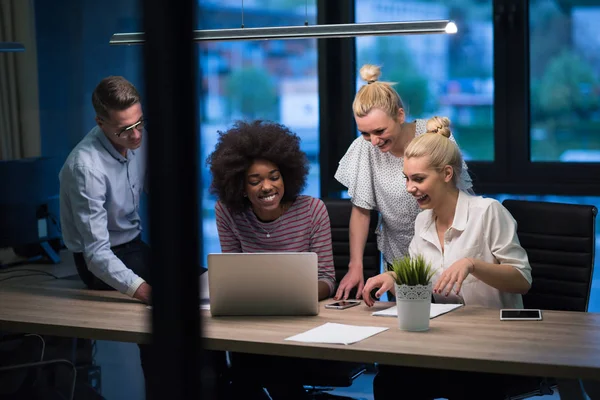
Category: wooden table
[563,345]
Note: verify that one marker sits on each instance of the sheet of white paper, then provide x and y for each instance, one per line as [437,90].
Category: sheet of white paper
[337,334]
[435,311]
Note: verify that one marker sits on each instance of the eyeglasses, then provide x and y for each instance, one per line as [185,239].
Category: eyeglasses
[139,126]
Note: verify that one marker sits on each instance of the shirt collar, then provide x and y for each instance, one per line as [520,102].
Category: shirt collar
[107,144]
[428,232]
[461,214]
[462,211]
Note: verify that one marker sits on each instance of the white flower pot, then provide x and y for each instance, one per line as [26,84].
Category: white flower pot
[414,305]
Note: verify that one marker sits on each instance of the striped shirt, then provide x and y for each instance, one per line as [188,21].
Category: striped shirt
[304,227]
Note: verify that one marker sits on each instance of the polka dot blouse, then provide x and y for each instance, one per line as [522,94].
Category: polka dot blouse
[375,182]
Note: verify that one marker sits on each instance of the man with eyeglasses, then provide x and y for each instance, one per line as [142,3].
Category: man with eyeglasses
[100,187]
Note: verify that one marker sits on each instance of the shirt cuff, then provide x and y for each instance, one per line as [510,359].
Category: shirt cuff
[526,273]
[330,284]
[361,203]
[134,286]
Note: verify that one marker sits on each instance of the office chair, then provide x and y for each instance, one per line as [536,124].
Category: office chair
[339,216]
[344,373]
[22,367]
[559,240]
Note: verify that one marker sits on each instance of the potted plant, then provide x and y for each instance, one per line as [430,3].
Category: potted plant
[412,277]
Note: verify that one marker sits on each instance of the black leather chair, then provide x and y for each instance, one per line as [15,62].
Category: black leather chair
[339,215]
[24,374]
[560,242]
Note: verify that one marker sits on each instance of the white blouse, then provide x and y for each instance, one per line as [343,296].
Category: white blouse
[375,181]
[482,229]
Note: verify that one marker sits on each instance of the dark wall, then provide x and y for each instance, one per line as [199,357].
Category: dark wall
[73,56]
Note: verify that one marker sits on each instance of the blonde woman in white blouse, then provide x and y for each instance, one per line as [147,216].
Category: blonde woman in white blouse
[371,169]
[472,244]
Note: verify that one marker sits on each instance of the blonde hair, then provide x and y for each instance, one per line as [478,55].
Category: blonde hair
[376,94]
[436,144]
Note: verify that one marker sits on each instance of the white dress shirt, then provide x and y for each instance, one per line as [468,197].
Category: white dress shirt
[482,229]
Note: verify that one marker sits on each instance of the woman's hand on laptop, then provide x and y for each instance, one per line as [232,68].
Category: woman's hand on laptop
[383,281]
[354,277]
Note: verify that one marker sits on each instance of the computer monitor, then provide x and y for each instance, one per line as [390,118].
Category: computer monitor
[29,207]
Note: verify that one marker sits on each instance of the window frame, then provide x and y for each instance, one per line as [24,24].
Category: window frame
[512,171]
[337,81]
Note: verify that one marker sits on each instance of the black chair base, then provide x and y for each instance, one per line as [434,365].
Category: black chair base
[329,396]
[525,387]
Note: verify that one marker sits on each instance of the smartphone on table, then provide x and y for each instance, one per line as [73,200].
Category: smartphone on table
[509,314]
[342,304]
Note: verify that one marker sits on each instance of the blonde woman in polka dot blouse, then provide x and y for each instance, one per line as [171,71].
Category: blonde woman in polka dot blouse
[372,168]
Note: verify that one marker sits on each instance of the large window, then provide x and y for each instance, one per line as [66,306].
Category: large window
[565,80]
[520,82]
[274,80]
[450,75]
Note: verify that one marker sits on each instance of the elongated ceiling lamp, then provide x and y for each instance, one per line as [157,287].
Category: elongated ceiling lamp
[11,47]
[307,32]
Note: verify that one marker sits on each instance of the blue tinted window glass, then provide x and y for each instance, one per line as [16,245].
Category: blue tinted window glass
[449,75]
[565,80]
[269,79]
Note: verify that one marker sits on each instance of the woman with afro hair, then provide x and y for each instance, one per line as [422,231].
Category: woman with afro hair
[258,172]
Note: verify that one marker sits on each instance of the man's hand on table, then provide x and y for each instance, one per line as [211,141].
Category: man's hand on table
[143,293]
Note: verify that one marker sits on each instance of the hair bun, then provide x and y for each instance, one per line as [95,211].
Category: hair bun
[440,125]
[370,73]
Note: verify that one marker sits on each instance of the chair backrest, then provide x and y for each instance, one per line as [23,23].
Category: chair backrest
[339,214]
[559,240]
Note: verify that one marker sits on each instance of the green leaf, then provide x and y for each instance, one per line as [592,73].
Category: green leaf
[412,271]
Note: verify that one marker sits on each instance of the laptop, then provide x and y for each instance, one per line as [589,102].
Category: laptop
[263,284]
